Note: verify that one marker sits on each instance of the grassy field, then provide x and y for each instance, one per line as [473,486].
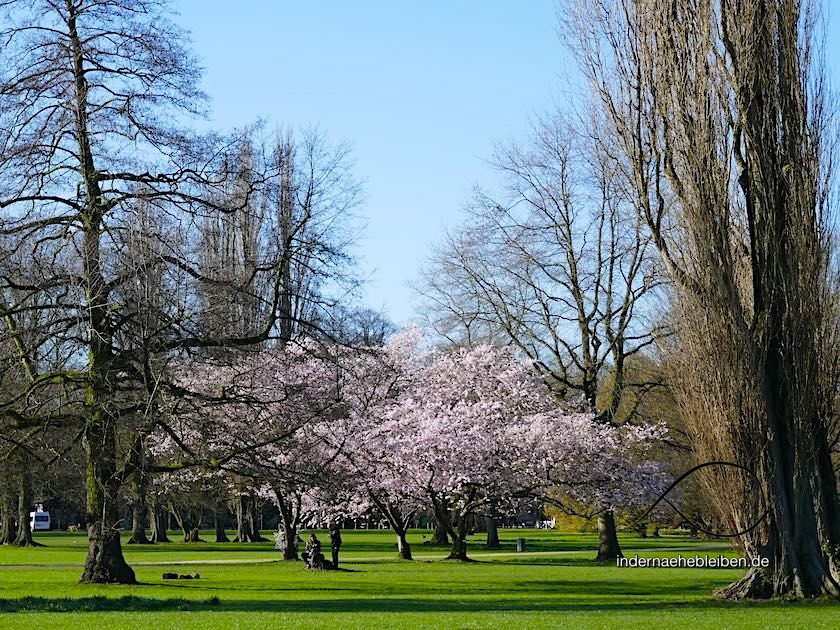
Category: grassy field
[554,584]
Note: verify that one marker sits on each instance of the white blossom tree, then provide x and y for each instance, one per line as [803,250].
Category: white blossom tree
[474,428]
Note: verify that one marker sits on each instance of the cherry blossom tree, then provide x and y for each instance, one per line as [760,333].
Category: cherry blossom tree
[474,428]
[587,469]
[374,378]
[260,421]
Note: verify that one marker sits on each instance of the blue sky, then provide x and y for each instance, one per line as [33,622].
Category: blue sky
[420,89]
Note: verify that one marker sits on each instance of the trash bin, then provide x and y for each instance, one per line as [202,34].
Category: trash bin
[520,544]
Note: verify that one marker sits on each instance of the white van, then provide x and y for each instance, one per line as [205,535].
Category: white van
[39,519]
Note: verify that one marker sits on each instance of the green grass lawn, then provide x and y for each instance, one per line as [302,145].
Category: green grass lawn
[554,584]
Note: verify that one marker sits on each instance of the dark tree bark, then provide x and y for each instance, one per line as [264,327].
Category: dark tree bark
[189,525]
[403,548]
[246,520]
[138,510]
[23,538]
[457,526]
[243,532]
[253,520]
[290,521]
[492,533]
[57,518]
[440,536]
[194,515]
[608,547]
[219,525]
[458,533]
[158,522]
[180,521]
[7,514]
[290,552]
[105,562]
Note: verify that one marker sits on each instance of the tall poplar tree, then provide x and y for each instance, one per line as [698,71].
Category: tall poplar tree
[718,110]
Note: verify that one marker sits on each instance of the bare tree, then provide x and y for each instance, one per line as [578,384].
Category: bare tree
[557,264]
[719,111]
[292,196]
[105,190]
[359,327]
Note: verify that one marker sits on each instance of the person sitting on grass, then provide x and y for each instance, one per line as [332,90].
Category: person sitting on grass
[313,557]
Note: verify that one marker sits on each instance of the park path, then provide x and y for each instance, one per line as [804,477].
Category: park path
[350,558]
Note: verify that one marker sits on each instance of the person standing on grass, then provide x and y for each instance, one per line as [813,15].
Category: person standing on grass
[335,542]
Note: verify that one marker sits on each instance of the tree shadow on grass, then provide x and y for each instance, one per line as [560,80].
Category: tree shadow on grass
[563,561]
[102,604]
[378,605]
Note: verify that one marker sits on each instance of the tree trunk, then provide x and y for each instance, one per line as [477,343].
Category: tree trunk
[608,548]
[194,525]
[290,552]
[24,529]
[399,522]
[57,518]
[459,549]
[138,510]
[243,533]
[7,515]
[218,523]
[800,539]
[403,548]
[457,527]
[105,562]
[253,520]
[289,518]
[492,533]
[158,523]
[179,520]
[440,537]
[247,529]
